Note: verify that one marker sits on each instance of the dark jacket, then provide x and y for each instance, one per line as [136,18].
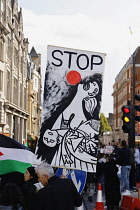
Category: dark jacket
[10,208]
[59,194]
[112,184]
[29,195]
[100,169]
[90,177]
[122,156]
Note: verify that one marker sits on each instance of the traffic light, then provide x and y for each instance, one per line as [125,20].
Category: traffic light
[127,118]
[137,108]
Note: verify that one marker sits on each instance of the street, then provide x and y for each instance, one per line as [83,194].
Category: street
[91,205]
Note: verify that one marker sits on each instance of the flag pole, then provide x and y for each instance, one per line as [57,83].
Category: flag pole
[130,39]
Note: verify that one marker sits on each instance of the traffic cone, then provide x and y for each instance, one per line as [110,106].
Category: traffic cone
[99,202]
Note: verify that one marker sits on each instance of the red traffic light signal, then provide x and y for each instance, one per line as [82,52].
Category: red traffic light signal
[126,109]
[127,118]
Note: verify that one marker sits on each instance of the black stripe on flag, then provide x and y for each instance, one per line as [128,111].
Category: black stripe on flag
[8,142]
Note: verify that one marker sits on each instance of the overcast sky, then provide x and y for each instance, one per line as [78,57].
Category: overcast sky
[107,26]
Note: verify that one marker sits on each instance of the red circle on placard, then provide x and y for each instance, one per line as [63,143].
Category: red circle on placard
[73,77]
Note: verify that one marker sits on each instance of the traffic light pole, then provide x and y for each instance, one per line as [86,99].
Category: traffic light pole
[131,136]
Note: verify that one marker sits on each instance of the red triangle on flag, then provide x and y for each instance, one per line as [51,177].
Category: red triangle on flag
[1,154]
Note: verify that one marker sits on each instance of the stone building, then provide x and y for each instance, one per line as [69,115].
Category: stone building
[34,94]
[123,91]
[14,110]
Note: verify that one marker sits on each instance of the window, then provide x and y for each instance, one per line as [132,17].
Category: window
[35,84]
[25,99]
[25,128]
[16,59]
[15,91]
[128,74]
[1,80]
[20,95]
[35,112]
[2,6]
[22,65]
[3,17]
[9,51]
[8,119]
[8,88]
[1,51]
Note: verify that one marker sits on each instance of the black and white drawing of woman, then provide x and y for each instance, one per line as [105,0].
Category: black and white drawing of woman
[79,105]
[86,103]
[84,128]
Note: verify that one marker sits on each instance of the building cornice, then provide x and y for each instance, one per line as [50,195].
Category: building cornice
[8,105]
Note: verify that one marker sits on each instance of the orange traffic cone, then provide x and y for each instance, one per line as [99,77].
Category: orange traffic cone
[99,202]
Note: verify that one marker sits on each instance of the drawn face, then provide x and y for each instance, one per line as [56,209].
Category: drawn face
[50,138]
[93,90]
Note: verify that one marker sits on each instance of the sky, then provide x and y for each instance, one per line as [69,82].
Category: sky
[106,26]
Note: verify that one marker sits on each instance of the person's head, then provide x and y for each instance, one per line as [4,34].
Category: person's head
[113,142]
[11,195]
[123,143]
[109,157]
[119,140]
[30,174]
[44,171]
[101,155]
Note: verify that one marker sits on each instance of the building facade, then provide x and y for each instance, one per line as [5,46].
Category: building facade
[123,92]
[14,111]
[34,95]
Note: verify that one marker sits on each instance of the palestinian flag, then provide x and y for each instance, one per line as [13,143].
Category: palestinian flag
[14,157]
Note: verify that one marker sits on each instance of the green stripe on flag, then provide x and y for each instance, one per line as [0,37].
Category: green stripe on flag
[8,166]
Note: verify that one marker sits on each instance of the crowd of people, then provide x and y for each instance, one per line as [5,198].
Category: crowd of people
[118,171]
[42,190]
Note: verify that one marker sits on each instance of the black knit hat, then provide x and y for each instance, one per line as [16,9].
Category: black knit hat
[32,172]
